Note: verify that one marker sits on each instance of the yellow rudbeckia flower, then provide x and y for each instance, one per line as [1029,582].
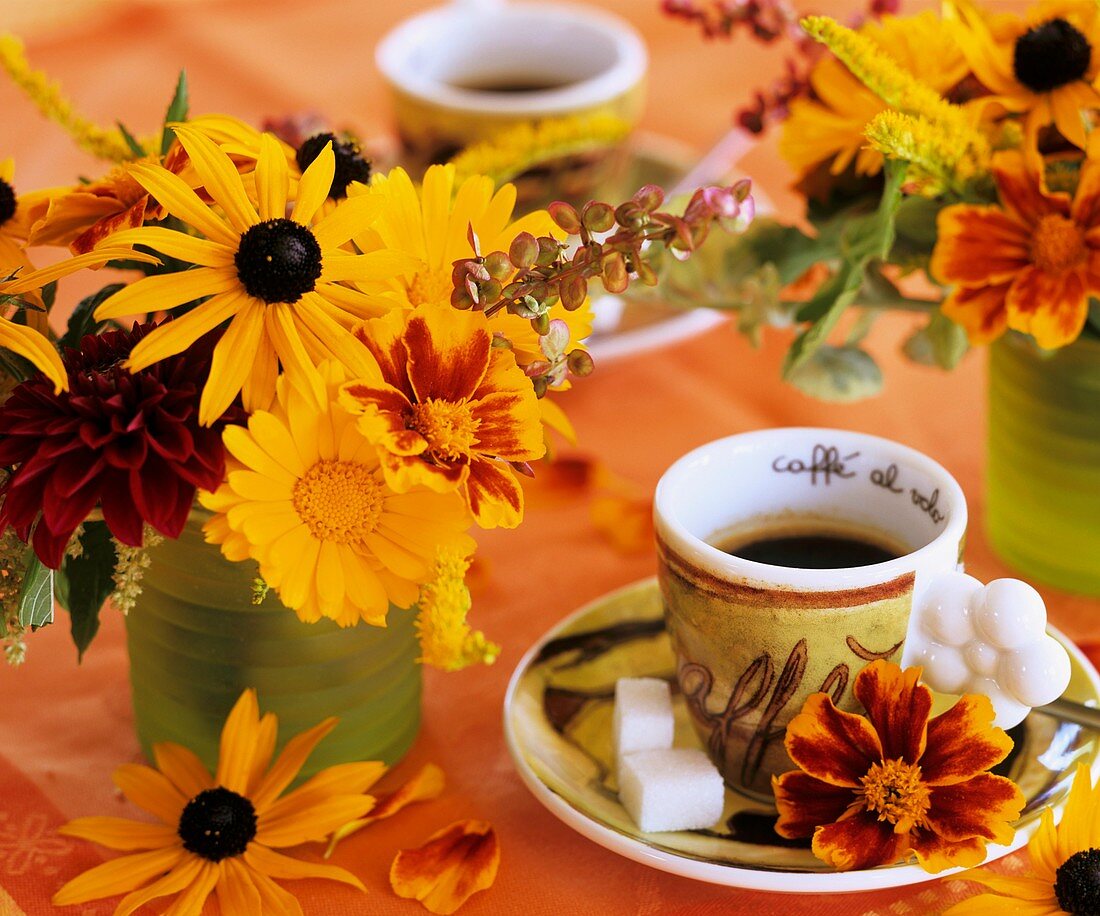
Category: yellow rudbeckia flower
[305,496]
[218,834]
[278,281]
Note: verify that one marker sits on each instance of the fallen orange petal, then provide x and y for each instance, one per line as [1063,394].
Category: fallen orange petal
[625,521]
[425,785]
[446,871]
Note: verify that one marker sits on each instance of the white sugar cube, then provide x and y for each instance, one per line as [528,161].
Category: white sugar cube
[671,789]
[643,715]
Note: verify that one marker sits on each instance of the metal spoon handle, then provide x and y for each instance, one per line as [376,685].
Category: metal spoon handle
[1071,711]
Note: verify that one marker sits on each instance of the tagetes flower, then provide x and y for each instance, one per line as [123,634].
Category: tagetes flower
[829,127]
[873,791]
[1042,66]
[432,227]
[453,865]
[305,496]
[1029,264]
[278,281]
[1064,873]
[451,410]
[218,834]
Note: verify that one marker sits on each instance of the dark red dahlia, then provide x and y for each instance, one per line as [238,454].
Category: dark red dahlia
[129,443]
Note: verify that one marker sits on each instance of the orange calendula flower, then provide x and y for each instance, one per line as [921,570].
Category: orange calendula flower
[452,866]
[1029,264]
[1064,872]
[450,410]
[873,791]
[1042,66]
[305,497]
[218,833]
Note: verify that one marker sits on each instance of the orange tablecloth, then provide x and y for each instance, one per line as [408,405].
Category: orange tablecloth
[63,728]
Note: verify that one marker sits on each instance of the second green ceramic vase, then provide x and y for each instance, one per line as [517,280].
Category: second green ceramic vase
[1043,462]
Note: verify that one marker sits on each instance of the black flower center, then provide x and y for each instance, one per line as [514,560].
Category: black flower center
[1077,883]
[1050,55]
[278,261]
[217,824]
[7,201]
[351,165]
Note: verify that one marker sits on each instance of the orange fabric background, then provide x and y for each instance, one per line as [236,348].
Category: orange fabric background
[64,728]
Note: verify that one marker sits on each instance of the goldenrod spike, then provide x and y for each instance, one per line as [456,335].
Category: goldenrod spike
[47,96]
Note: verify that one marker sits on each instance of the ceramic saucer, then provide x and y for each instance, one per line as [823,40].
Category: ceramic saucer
[557,723]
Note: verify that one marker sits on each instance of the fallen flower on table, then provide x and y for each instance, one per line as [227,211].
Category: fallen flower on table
[874,790]
[1064,876]
[218,833]
[425,785]
[453,865]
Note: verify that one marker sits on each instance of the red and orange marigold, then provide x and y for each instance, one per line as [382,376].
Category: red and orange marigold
[872,791]
[1029,263]
[450,411]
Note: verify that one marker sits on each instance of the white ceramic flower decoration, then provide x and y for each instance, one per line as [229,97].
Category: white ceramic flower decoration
[989,639]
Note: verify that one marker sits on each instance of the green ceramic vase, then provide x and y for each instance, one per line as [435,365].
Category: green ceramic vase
[196,642]
[1043,463]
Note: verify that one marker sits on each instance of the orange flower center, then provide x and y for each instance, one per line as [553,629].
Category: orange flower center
[895,792]
[1057,245]
[449,427]
[430,286]
[338,501]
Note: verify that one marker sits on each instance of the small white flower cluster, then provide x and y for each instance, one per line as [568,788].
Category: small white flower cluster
[989,639]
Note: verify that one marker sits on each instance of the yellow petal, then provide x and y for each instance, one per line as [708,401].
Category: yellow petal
[175,336]
[177,197]
[120,833]
[238,743]
[191,901]
[313,825]
[297,365]
[314,187]
[32,345]
[276,865]
[177,245]
[348,218]
[150,790]
[183,767]
[446,871]
[341,779]
[38,278]
[276,901]
[166,291]
[118,876]
[236,893]
[425,785]
[288,763]
[272,179]
[219,176]
[234,357]
[377,265]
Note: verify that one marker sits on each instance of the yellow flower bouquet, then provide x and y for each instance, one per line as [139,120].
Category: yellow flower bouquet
[328,374]
[949,166]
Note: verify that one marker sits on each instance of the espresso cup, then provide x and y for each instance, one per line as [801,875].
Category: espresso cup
[466,71]
[754,640]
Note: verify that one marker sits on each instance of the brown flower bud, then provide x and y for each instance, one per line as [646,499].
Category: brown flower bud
[498,265]
[615,276]
[597,216]
[580,363]
[649,198]
[524,250]
[573,291]
[566,216]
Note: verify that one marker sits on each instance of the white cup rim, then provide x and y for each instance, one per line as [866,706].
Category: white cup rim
[676,535]
[626,71]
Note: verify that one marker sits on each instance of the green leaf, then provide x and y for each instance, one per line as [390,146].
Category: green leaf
[48,294]
[177,111]
[838,374]
[136,148]
[36,594]
[86,581]
[863,240]
[1094,316]
[941,343]
[82,320]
